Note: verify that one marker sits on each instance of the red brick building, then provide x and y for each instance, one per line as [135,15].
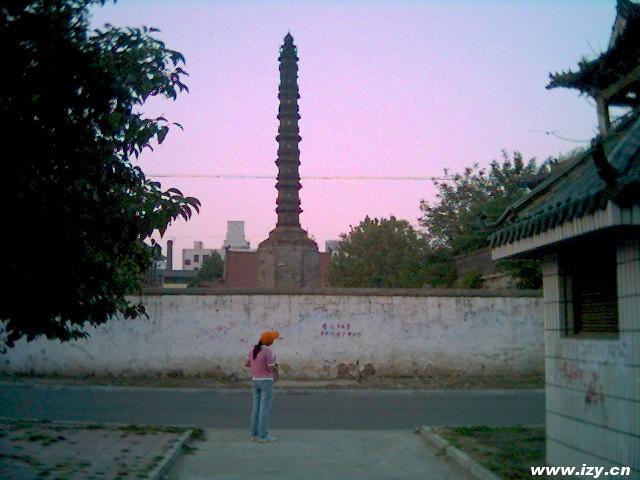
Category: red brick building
[241,270]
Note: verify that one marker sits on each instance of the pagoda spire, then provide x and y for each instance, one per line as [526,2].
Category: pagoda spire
[288,258]
[288,162]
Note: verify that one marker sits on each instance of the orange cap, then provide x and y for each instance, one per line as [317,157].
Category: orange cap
[267,338]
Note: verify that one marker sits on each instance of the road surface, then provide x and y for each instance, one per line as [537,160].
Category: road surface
[292,409]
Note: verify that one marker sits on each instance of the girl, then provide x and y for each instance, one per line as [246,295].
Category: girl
[264,371]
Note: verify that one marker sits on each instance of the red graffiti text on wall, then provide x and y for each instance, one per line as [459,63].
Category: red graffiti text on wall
[595,392]
[575,375]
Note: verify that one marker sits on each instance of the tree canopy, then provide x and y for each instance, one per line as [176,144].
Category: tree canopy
[71,110]
[462,218]
[380,253]
[212,267]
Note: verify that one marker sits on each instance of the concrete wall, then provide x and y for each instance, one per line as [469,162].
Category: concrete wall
[397,332]
[593,384]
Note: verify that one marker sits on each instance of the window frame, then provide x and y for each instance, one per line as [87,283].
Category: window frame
[574,265]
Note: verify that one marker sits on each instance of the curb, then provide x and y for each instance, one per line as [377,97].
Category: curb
[462,459]
[169,457]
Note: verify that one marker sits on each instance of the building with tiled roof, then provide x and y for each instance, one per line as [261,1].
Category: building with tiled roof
[583,221]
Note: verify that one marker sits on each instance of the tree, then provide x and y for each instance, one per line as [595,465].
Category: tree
[528,272]
[212,267]
[461,219]
[380,253]
[71,114]
[440,270]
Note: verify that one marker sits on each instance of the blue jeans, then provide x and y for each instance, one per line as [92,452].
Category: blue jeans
[261,411]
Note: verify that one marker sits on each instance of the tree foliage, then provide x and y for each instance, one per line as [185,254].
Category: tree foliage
[460,220]
[212,267]
[71,113]
[528,272]
[380,253]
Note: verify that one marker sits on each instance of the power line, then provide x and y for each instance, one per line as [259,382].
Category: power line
[311,177]
[554,133]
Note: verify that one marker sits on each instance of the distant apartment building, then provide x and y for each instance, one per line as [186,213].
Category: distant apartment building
[192,258]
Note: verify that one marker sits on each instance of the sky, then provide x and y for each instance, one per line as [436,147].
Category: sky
[388,89]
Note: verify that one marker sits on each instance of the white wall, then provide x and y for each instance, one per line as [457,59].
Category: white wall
[190,253]
[593,385]
[197,334]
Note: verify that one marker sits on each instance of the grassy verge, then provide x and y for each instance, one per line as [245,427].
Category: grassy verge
[509,452]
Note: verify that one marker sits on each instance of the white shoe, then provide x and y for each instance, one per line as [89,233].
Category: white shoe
[254,439]
[267,440]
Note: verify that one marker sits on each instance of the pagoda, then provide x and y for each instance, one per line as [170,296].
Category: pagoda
[288,258]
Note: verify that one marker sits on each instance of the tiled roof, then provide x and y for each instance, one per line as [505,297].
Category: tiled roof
[577,188]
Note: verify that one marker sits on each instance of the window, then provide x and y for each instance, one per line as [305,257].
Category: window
[196,259]
[590,291]
[187,262]
[204,257]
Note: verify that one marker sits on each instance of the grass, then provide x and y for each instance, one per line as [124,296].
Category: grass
[509,452]
[44,439]
[146,429]
[21,458]
[188,450]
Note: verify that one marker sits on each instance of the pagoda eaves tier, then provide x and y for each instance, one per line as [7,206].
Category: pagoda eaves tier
[288,162]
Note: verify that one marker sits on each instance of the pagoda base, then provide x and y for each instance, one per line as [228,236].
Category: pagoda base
[288,259]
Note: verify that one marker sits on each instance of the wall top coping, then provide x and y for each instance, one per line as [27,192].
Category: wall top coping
[349,292]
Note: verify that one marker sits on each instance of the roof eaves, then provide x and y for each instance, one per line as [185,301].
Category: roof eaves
[553,177]
[563,170]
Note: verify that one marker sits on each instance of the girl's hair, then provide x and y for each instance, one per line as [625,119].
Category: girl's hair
[256,349]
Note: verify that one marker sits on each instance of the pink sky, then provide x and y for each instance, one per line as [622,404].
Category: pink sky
[387,89]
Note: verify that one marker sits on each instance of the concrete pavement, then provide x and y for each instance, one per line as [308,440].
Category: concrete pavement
[85,451]
[227,454]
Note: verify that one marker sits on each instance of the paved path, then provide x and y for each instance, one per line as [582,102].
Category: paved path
[293,409]
[314,455]
[31,450]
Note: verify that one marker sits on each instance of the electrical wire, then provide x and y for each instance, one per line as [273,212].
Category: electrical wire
[560,137]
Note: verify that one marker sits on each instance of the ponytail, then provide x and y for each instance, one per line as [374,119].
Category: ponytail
[256,349]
